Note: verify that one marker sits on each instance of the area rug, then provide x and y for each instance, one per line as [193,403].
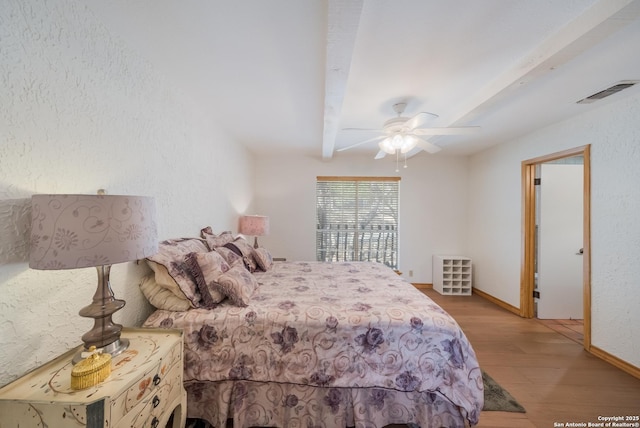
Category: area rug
[496,398]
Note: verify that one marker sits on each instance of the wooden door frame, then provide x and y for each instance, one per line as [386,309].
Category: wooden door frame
[527,270]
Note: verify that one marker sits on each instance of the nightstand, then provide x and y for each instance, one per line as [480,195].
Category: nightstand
[144,389]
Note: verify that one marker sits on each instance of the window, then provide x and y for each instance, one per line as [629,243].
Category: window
[357,219]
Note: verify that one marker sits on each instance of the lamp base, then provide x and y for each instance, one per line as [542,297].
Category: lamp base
[105,334]
[115,348]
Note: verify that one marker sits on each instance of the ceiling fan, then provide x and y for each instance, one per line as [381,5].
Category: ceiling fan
[403,134]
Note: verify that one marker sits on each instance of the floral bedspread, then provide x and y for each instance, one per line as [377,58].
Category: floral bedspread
[333,325]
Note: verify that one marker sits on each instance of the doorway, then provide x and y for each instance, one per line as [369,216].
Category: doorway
[559,247]
[530,171]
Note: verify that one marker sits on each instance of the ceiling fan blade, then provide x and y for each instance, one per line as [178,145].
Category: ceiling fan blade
[419,119]
[380,155]
[428,146]
[454,130]
[360,143]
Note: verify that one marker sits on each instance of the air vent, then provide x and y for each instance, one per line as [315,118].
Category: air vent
[609,91]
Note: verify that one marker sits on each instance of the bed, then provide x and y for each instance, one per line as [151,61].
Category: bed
[313,344]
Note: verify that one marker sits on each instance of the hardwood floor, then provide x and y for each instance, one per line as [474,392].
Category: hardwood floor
[551,375]
[573,329]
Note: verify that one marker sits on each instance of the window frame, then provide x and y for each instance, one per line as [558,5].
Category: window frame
[355,235]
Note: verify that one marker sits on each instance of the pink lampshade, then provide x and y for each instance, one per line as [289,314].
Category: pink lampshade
[254,225]
[76,231]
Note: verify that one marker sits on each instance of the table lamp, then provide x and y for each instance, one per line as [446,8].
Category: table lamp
[255,225]
[79,231]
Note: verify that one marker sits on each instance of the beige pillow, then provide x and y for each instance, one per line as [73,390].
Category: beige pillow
[206,268]
[160,297]
[238,284]
[164,280]
[171,254]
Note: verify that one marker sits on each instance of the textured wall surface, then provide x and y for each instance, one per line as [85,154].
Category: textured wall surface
[615,232]
[80,111]
[495,217]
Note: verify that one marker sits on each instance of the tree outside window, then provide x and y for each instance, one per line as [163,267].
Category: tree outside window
[357,219]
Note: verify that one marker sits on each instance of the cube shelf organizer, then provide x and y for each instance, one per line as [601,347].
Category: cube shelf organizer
[452,275]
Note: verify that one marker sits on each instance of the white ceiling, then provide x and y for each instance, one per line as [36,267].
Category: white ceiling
[289,75]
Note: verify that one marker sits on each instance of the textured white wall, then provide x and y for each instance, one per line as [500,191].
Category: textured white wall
[81,112]
[495,216]
[433,204]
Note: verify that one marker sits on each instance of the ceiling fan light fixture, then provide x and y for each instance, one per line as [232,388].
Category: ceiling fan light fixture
[398,143]
[386,146]
[410,142]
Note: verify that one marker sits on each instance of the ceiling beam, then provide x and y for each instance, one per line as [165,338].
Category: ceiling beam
[598,22]
[343,19]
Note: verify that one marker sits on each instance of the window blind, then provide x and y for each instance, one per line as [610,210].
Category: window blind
[357,219]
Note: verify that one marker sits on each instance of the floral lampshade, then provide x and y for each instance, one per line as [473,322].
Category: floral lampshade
[76,231]
[79,231]
[256,225]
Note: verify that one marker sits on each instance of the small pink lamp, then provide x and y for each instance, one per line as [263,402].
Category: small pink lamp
[256,225]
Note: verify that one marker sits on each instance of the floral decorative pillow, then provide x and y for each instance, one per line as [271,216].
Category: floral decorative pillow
[206,268]
[214,241]
[263,258]
[238,284]
[206,231]
[171,254]
[241,247]
[231,257]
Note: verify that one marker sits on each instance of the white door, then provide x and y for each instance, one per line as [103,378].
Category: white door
[560,242]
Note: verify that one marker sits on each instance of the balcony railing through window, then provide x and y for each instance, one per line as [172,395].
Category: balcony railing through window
[344,242]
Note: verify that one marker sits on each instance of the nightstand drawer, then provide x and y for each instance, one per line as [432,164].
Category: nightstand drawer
[167,371]
[157,405]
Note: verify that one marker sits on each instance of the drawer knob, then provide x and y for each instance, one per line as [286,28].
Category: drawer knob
[156,380]
[155,422]
[155,401]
